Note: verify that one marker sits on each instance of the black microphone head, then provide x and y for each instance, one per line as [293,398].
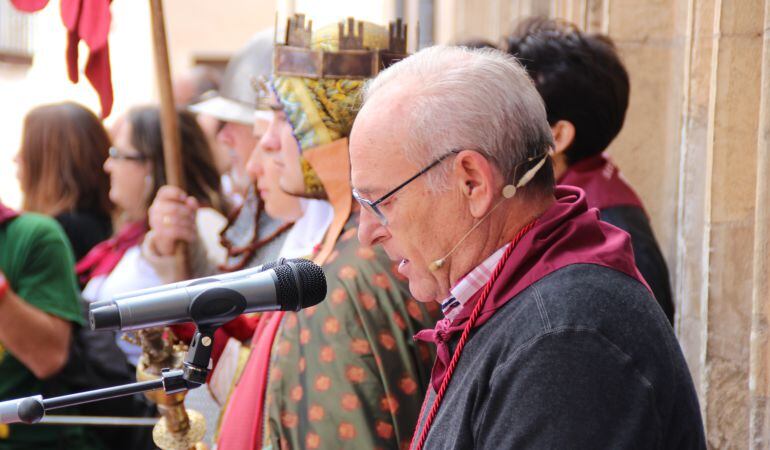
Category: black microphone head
[300,284]
[313,284]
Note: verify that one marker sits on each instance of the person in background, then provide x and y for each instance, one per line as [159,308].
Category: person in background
[39,304]
[585,89]
[137,170]
[350,358]
[344,373]
[191,86]
[234,106]
[251,237]
[63,148]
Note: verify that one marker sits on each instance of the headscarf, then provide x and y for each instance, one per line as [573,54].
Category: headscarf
[322,111]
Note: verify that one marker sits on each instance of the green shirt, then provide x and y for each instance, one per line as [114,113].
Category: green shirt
[36,258]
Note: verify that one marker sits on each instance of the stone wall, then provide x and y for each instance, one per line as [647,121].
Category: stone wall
[696,146]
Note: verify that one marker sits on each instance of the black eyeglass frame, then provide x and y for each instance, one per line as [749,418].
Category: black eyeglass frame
[372,205]
[115,154]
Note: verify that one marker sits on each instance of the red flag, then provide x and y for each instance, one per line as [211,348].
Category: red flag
[88,20]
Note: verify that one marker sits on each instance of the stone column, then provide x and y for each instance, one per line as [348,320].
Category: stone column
[759,376]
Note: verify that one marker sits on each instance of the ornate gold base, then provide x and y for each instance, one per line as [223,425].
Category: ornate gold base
[165,439]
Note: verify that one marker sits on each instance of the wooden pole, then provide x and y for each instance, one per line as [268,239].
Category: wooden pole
[172,154]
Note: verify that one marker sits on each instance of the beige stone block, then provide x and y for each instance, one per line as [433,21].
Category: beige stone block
[742,18]
[736,112]
[642,21]
[729,327]
[483,19]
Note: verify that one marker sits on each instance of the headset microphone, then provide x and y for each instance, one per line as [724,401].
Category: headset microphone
[509,191]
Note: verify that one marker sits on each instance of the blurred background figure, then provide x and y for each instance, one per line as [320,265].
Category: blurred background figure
[191,86]
[63,149]
[137,171]
[585,88]
[234,106]
[38,308]
[250,237]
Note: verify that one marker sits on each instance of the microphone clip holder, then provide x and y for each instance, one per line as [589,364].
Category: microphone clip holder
[209,310]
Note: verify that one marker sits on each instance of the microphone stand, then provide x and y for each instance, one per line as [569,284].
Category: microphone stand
[33,409]
[209,310]
[193,374]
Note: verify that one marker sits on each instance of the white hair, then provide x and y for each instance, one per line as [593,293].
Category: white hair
[471,99]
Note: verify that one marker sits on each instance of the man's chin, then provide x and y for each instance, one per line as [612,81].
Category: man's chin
[421,294]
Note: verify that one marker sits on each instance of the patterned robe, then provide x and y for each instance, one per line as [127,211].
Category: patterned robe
[346,373]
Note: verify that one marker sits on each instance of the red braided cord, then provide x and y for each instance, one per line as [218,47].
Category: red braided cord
[464,337]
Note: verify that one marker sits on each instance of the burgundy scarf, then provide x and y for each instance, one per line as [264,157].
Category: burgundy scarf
[567,233]
[6,214]
[106,255]
[602,182]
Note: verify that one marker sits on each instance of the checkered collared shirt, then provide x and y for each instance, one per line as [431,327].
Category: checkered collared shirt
[470,284]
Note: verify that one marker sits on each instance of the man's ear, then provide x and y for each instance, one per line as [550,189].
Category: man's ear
[563,136]
[476,178]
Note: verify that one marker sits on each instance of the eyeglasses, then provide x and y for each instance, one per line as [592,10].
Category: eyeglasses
[373,206]
[118,156]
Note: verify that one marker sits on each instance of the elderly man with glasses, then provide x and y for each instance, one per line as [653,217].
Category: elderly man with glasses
[551,337]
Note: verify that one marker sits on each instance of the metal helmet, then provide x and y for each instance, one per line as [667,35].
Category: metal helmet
[236,100]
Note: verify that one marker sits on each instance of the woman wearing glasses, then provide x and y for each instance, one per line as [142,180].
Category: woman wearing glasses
[136,170]
[63,148]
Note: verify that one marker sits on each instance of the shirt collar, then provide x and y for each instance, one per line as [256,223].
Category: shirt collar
[470,284]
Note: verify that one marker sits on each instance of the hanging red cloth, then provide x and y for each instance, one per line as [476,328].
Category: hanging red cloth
[88,20]
[6,213]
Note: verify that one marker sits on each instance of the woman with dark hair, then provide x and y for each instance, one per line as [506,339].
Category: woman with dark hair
[137,170]
[63,148]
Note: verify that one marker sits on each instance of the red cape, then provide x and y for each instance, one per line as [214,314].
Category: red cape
[602,182]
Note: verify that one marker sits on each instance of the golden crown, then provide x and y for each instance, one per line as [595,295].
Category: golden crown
[352,60]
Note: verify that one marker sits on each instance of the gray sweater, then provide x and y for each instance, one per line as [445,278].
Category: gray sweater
[582,359]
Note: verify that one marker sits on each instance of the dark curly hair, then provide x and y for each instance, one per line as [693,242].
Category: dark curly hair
[580,78]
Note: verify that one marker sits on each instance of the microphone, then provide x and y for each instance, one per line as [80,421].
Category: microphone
[203,280]
[291,286]
[509,191]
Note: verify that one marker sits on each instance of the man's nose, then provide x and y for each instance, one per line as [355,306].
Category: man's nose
[370,230]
